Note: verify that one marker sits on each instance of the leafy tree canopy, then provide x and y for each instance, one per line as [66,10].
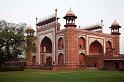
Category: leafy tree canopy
[12,41]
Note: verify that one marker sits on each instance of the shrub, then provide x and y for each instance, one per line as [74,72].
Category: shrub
[103,68]
[11,69]
[120,69]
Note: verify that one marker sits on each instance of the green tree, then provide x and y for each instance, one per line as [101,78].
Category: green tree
[12,41]
[31,45]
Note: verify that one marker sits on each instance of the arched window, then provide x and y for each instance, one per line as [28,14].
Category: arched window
[34,60]
[60,59]
[49,61]
[109,48]
[60,43]
[82,43]
[81,58]
[95,48]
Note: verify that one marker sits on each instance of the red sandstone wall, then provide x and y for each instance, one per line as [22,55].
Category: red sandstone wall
[71,47]
[116,45]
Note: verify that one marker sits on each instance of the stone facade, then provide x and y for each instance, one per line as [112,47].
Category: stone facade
[75,48]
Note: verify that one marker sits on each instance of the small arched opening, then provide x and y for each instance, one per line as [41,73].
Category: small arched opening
[81,58]
[109,47]
[82,43]
[95,48]
[60,43]
[60,59]
[116,65]
[34,60]
[49,61]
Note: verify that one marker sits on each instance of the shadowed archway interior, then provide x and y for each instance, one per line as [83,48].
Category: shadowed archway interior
[49,61]
[45,48]
[60,59]
[81,58]
[109,49]
[46,45]
[82,43]
[95,48]
[34,60]
[60,43]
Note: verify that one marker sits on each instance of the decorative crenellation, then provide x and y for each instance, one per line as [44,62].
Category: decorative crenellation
[94,27]
[46,18]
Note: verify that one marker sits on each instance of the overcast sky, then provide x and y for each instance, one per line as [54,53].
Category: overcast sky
[87,11]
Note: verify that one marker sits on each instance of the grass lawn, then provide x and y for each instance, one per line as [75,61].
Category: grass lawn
[62,76]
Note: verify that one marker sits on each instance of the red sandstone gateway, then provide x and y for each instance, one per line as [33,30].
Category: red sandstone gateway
[74,47]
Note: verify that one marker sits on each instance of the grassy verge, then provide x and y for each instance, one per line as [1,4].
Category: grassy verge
[62,76]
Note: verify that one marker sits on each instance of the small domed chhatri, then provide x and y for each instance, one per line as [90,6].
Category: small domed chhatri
[70,18]
[30,30]
[115,23]
[115,28]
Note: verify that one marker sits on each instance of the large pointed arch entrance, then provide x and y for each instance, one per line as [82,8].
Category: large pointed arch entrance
[46,45]
[95,48]
[46,51]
